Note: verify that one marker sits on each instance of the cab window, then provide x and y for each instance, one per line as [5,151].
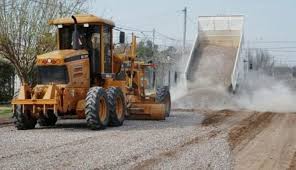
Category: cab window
[107,49]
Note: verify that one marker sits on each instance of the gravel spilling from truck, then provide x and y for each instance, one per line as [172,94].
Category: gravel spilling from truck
[214,67]
[212,70]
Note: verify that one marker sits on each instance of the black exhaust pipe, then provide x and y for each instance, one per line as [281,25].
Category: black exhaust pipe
[75,35]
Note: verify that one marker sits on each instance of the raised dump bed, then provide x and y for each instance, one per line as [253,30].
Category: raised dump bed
[216,55]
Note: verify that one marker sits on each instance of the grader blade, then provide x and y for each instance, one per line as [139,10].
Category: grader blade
[147,112]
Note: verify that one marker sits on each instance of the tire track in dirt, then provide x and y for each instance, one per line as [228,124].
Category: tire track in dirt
[293,163]
[172,153]
[220,120]
[272,148]
[215,117]
[248,128]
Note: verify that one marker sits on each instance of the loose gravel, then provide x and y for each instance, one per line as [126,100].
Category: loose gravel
[180,141]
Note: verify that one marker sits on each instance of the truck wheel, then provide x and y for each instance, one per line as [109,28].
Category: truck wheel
[48,121]
[117,106]
[163,96]
[23,121]
[96,108]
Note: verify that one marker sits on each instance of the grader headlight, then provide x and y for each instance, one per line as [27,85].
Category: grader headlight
[51,61]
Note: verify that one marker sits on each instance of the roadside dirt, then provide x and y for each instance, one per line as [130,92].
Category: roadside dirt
[214,117]
[293,163]
[6,121]
[248,128]
[271,142]
[146,164]
[207,150]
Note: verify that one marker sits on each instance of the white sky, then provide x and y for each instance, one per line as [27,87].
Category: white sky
[269,21]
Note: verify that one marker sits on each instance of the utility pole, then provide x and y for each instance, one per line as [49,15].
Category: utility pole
[153,58]
[4,6]
[61,8]
[185,29]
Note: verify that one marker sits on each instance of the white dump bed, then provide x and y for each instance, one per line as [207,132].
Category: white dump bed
[216,53]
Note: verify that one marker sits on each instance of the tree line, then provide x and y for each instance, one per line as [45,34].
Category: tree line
[25,33]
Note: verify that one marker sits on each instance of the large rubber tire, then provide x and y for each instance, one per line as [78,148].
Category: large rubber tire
[96,108]
[23,121]
[50,120]
[117,106]
[163,96]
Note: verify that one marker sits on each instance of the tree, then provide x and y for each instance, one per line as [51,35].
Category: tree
[6,81]
[145,50]
[260,59]
[24,31]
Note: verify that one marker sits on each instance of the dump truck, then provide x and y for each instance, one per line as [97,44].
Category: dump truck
[216,55]
[85,79]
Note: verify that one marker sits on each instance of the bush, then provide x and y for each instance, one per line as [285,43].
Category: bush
[6,81]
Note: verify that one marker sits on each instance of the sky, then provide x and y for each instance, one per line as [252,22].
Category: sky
[268,23]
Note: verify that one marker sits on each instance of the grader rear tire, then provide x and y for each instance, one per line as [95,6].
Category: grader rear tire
[96,109]
[23,121]
[117,106]
[163,96]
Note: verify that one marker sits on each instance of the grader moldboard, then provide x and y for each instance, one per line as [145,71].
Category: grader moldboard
[85,79]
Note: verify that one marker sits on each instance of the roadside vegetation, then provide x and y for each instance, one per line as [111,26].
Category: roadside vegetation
[5,111]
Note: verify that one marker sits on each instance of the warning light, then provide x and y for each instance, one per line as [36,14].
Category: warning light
[51,61]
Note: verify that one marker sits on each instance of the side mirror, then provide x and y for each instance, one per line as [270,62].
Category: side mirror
[122,37]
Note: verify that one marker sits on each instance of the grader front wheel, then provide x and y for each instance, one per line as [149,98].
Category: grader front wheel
[48,120]
[96,109]
[23,121]
[117,106]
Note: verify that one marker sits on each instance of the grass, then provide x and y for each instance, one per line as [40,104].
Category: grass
[5,111]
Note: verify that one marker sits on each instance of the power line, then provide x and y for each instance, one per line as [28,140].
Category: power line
[275,48]
[131,29]
[271,42]
[285,51]
[192,20]
[146,31]
[167,37]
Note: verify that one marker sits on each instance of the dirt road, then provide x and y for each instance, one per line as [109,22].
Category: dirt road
[273,148]
[191,139]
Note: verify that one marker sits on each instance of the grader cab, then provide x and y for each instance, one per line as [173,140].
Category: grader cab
[85,79]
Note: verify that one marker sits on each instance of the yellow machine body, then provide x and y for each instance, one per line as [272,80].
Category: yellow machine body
[66,96]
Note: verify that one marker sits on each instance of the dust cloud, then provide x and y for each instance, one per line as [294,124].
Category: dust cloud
[210,87]
[258,92]
[262,92]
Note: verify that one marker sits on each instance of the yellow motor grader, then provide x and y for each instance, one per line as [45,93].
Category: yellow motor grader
[85,79]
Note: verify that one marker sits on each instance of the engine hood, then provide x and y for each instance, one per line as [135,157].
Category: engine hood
[58,57]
